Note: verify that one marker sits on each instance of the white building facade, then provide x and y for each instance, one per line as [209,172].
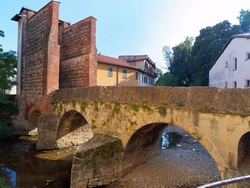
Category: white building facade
[232,67]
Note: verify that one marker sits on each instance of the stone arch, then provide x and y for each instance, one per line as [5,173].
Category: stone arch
[244,148]
[143,145]
[33,117]
[73,129]
[137,152]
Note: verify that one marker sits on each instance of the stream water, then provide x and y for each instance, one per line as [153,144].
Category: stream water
[21,166]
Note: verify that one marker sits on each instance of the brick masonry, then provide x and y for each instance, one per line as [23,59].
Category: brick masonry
[54,55]
[78,57]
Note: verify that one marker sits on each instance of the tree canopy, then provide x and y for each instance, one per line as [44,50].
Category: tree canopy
[244,20]
[8,65]
[189,62]
[7,70]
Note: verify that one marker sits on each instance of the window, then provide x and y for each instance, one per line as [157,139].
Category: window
[152,81]
[247,83]
[226,64]
[124,75]
[145,80]
[247,55]
[110,72]
[235,64]
[136,75]
[235,84]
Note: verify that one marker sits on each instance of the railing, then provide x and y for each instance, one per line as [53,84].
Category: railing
[225,182]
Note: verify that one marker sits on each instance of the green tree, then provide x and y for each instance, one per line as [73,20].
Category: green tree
[7,70]
[244,20]
[206,48]
[168,55]
[179,64]
[166,79]
[8,65]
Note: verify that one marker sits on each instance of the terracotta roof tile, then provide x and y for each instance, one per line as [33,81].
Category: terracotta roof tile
[113,61]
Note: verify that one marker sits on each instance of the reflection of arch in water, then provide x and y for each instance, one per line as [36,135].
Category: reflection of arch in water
[73,130]
[244,149]
[7,177]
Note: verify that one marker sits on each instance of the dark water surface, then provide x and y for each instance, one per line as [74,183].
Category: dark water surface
[21,168]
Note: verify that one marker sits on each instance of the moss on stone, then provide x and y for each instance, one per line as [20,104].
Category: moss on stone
[60,106]
[147,108]
[116,108]
[83,106]
[74,104]
[162,111]
[196,136]
[96,106]
[135,107]
[180,104]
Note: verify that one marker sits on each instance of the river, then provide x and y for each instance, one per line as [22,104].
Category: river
[21,166]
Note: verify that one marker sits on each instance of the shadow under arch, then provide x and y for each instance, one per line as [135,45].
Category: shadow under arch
[143,145]
[34,117]
[146,143]
[73,130]
[244,149]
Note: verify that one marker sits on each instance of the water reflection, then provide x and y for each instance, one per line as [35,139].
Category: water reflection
[20,167]
[7,177]
[170,139]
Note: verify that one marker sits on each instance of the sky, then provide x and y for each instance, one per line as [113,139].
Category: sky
[131,27]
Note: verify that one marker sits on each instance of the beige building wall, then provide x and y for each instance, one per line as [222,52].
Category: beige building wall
[130,79]
[104,79]
[140,64]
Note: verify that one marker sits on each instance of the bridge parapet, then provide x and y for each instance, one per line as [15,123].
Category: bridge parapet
[203,99]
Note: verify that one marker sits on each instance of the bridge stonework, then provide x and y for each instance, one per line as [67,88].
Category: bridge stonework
[217,118]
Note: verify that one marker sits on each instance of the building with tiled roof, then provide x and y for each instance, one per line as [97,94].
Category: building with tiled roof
[125,71]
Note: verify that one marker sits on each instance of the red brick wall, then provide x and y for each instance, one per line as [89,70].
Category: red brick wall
[41,58]
[54,53]
[78,54]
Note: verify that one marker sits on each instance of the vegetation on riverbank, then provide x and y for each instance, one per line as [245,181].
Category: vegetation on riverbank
[8,108]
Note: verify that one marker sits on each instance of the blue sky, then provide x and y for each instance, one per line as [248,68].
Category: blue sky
[134,27]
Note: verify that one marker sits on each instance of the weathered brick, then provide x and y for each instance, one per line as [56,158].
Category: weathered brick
[54,55]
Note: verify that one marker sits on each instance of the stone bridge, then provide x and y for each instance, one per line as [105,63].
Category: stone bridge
[136,116]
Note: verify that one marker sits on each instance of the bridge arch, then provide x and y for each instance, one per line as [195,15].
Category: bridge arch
[73,129]
[244,148]
[188,121]
[33,115]
[143,145]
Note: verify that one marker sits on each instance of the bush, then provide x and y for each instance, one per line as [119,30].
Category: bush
[3,183]
[8,108]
